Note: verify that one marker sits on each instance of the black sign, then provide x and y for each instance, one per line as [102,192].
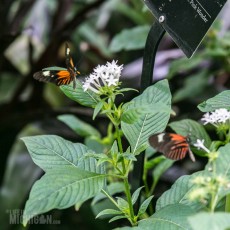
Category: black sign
[187,21]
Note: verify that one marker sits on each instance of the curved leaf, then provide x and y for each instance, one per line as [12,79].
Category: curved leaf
[173,217]
[213,221]
[87,98]
[132,114]
[178,193]
[222,168]
[52,152]
[130,39]
[221,100]
[78,126]
[61,188]
[148,124]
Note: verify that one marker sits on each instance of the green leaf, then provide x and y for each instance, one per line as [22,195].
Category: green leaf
[192,129]
[173,217]
[222,163]
[139,132]
[95,144]
[207,221]
[108,212]
[222,169]
[144,206]
[86,98]
[132,114]
[117,218]
[160,169]
[61,188]
[129,156]
[183,65]
[127,90]
[193,85]
[153,162]
[90,34]
[114,148]
[178,193]
[136,195]
[130,39]
[221,100]
[122,204]
[78,126]
[52,152]
[97,109]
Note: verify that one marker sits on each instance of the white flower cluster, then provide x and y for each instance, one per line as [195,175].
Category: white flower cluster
[217,117]
[103,75]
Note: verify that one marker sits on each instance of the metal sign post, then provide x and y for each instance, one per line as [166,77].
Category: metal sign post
[187,22]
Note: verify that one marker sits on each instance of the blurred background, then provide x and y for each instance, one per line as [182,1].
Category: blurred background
[33,35]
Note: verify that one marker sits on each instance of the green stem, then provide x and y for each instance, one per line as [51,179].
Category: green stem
[129,200]
[111,198]
[118,138]
[227,203]
[214,201]
[120,147]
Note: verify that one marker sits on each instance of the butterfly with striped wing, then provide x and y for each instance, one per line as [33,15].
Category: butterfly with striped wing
[57,75]
[173,146]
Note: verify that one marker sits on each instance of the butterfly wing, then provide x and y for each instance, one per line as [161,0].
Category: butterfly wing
[58,77]
[70,65]
[173,146]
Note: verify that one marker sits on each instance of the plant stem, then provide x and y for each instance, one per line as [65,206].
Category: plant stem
[214,201]
[129,200]
[120,147]
[227,203]
[111,198]
[118,138]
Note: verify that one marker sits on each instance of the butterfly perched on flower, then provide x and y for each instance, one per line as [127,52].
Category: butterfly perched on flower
[173,146]
[57,75]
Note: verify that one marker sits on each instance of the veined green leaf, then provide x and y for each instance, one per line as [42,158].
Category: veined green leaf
[221,100]
[173,217]
[179,192]
[136,195]
[97,109]
[122,204]
[132,114]
[86,98]
[61,188]
[212,221]
[52,152]
[222,169]
[117,218]
[108,212]
[78,126]
[144,206]
[148,124]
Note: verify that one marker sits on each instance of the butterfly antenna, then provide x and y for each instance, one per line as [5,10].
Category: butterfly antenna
[191,155]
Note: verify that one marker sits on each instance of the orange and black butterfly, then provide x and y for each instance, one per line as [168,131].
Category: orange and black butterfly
[57,75]
[173,146]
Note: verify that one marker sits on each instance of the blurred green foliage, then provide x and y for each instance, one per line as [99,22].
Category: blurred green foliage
[32,36]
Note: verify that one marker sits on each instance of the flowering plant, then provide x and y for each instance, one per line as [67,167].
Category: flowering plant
[100,167]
